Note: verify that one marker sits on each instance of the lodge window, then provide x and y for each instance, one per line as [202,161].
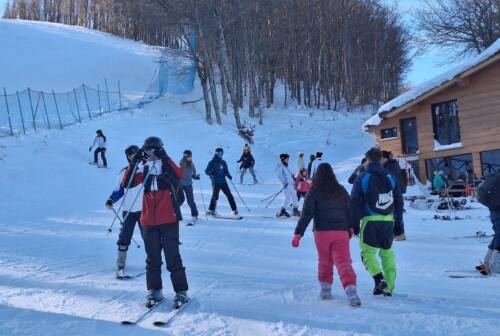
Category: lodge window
[453,167]
[490,162]
[445,122]
[388,133]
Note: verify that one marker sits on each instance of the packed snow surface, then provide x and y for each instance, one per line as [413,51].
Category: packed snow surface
[57,261]
[431,84]
[48,56]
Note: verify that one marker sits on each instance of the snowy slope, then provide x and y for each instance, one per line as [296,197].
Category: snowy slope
[56,274]
[57,263]
[46,56]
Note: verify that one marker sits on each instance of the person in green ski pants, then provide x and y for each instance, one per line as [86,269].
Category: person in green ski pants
[377,203]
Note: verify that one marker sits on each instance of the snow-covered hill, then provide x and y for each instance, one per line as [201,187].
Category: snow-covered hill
[48,56]
[57,262]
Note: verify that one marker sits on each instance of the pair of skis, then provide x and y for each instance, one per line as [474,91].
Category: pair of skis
[97,165]
[163,322]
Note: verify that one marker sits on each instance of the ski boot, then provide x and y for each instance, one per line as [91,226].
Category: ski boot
[380,285]
[283,213]
[180,299]
[211,213]
[352,296]
[194,219]
[296,212]
[121,261]
[154,297]
[235,213]
[326,291]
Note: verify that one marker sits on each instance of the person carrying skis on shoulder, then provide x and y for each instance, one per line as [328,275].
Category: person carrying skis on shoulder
[189,171]
[302,183]
[131,213]
[377,202]
[286,178]
[328,204]
[316,163]
[218,171]
[488,194]
[247,162]
[100,144]
[392,167]
[161,180]
[300,162]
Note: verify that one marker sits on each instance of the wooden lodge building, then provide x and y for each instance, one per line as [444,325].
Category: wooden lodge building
[450,123]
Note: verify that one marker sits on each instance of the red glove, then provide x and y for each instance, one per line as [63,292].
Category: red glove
[296,240]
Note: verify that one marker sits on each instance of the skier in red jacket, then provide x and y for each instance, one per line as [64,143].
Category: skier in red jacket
[160,217]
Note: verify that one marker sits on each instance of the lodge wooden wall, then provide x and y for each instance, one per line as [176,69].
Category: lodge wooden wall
[478,99]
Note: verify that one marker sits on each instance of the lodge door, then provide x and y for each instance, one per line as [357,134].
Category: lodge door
[409,136]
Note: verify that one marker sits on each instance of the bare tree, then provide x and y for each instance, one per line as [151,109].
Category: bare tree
[471,25]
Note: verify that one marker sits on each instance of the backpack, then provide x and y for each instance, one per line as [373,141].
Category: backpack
[488,192]
[379,195]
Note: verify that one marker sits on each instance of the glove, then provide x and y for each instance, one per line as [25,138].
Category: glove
[285,186]
[161,154]
[137,157]
[296,240]
[90,149]
[230,178]
[109,203]
[196,177]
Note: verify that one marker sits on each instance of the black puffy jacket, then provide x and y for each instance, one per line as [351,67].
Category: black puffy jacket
[328,215]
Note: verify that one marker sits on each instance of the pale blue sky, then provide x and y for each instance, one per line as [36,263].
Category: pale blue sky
[424,66]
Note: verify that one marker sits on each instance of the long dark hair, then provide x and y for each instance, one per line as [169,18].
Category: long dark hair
[326,183]
[101,134]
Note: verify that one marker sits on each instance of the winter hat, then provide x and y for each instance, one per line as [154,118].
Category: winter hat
[99,132]
[284,156]
[319,154]
[131,150]
[246,147]
[301,154]
[187,152]
[219,152]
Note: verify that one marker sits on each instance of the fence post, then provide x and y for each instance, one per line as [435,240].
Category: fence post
[70,108]
[57,109]
[86,100]
[99,99]
[8,111]
[77,107]
[107,94]
[120,95]
[20,111]
[45,108]
[32,111]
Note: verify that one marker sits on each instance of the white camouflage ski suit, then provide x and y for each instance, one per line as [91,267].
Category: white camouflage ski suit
[286,178]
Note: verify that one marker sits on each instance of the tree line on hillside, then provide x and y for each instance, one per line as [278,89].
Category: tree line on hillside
[324,52]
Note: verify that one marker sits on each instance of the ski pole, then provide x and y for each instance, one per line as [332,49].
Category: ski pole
[123,224]
[275,196]
[110,229]
[241,198]
[203,200]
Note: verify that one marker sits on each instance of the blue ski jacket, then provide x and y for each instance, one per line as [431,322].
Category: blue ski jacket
[218,171]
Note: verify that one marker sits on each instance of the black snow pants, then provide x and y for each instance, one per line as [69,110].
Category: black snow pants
[127,229]
[217,187]
[188,191]
[158,238]
[103,155]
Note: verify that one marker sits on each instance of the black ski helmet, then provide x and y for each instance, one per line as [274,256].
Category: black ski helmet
[284,156]
[99,132]
[187,152]
[152,143]
[319,154]
[131,150]
[219,150]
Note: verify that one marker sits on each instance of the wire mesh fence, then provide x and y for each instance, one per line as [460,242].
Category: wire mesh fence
[30,110]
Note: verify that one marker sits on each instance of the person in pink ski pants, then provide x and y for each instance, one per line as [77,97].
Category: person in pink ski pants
[328,203]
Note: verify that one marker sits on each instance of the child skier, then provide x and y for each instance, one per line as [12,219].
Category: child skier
[100,142]
[302,183]
[377,201]
[189,171]
[286,178]
[218,171]
[161,179]
[328,204]
[131,213]
[247,162]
